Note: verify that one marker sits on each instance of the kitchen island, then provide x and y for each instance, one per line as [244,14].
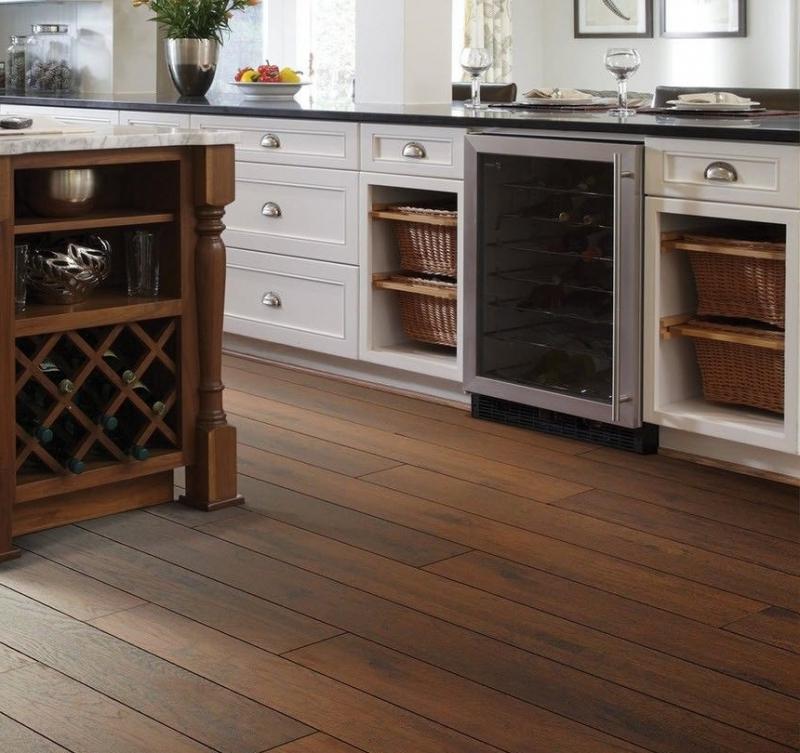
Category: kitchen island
[153,365]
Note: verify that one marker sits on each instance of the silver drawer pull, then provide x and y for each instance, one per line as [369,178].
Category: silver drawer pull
[270,141]
[721,172]
[413,150]
[271,209]
[272,299]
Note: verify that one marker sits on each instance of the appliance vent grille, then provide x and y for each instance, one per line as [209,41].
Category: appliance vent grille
[643,440]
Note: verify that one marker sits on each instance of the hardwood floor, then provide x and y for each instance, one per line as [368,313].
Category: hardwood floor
[404,579]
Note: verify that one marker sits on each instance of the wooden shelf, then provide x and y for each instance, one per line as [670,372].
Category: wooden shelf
[102,307]
[93,221]
[723,246]
[380,212]
[753,337]
[31,487]
[407,284]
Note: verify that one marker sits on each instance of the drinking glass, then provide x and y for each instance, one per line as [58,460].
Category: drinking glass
[141,253]
[475,61]
[21,252]
[622,63]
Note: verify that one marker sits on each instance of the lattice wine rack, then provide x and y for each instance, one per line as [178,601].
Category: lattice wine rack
[91,398]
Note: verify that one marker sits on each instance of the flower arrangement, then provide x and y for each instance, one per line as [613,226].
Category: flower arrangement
[195,19]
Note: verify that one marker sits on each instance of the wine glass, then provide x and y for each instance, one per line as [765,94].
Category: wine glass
[622,63]
[475,61]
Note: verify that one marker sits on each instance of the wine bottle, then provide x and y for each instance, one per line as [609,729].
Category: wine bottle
[116,363]
[66,437]
[29,417]
[99,394]
[157,406]
[587,183]
[126,439]
[65,385]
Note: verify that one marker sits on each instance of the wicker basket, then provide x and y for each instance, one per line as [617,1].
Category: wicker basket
[428,308]
[738,279]
[427,238]
[739,365]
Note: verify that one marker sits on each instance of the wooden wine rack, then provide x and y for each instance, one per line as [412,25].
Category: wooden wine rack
[172,344]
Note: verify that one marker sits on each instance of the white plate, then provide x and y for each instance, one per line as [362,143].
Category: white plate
[717,106]
[262,90]
[563,102]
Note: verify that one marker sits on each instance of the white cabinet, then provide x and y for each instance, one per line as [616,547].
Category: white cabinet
[297,302]
[757,174]
[280,141]
[407,150]
[147,118]
[71,115]
[295,211]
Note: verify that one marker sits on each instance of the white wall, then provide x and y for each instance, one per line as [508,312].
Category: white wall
[547,54]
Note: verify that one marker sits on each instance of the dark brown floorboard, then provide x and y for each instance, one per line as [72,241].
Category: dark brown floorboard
[404,579]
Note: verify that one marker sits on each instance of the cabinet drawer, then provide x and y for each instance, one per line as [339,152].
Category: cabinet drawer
[79,115]
[435,152]
[147,118]
[295,211]
[755,174]
[289,142]
[298,302]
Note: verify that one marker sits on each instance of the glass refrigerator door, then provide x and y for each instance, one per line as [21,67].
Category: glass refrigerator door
[546,274]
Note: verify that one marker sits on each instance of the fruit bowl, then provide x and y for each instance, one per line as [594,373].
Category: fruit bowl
[267,90]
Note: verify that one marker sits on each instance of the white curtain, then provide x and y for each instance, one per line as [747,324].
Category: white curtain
[487,23]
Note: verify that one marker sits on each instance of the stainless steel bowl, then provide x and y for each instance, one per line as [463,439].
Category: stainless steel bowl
[62,192]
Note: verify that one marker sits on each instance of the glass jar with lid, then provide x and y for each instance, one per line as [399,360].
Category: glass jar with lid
[49,62]
[15,63]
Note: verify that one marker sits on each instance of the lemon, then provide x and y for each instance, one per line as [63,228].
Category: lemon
[289,76]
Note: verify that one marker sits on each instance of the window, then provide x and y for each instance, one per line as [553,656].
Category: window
[313,36]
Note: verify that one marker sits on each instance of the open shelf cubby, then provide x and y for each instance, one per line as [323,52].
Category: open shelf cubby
[384,281]
[677,396]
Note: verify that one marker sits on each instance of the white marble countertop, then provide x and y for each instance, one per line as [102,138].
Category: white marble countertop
[82,138]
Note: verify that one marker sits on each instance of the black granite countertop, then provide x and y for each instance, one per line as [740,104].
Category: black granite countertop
[777,128]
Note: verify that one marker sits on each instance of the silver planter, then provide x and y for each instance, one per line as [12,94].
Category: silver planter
[192,64]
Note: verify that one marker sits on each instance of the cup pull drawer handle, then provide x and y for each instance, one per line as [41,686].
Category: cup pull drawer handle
[271,209]
[270,141]
[272,300]
[721,172]
[413,150]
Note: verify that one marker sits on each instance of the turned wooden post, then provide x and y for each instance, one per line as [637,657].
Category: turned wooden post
[211,480]
[8,445]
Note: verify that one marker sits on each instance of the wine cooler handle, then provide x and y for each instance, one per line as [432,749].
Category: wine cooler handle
[616,400]
[721,172]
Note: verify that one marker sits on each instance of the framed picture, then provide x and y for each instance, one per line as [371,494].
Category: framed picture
[613,18]
[703,18]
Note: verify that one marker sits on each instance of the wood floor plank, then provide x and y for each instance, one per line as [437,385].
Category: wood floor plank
[334,457]
[737,485]
[687,528]
[10,659]
[491,473]
[576,469]
[488,715]
[316,743]
[345,525]
[81,719]
[327,705]
[775,626]
[576,563]
[200,598]
[675,681]
[190,516]
[692,562]
[15,738]
[456,415]
[186,703]
[64,589]
[582,697]
[675,635]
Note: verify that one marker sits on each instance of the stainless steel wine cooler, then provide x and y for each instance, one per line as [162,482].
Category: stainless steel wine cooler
[553,278]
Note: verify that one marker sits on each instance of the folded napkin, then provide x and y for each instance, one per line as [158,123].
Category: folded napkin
[714,98]
[557,94]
